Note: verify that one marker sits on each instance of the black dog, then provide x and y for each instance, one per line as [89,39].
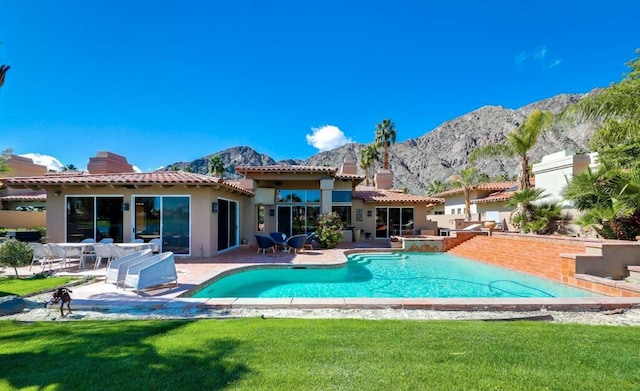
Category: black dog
[61,295]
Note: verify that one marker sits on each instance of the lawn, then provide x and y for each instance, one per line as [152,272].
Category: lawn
[299,354]
[27,286]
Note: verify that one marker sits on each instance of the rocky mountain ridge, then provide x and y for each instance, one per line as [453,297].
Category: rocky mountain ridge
[441,152]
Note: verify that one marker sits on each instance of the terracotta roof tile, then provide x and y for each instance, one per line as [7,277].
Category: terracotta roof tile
[40,195]
[122,179]
[371,194]
[281,168]
[489,186]
[495,197]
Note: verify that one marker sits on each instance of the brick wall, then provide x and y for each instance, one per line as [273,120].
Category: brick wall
[538,256]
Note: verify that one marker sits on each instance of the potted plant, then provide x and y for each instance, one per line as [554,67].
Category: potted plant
[329,230]
[15,253]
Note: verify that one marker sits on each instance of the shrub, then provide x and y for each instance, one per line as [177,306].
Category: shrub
[15,253]
[329,230]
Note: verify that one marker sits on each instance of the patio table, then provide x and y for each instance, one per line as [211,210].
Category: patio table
[133,247]
[83,249]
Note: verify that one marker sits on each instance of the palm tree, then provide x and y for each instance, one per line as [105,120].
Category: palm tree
[216,166]
[3,72]
[70,167]
[4,157]
[618,106]
[466,179]
[436,186]
[369,155]
[518,144]
[385,136]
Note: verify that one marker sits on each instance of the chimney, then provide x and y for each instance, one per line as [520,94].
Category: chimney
[108,163]
[384,179]
[348,166]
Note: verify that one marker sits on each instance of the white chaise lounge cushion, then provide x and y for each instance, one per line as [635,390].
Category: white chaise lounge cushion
[117,268]
[153,271]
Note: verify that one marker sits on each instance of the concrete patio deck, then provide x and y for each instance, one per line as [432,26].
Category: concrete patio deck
[101,296]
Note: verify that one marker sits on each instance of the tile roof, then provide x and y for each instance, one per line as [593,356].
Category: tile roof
[39,195]
[122,179]
[495,197]
[356,177]
[371,194]
[489,186]
[282,168]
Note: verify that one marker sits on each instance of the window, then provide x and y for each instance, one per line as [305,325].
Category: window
[345,214]
[94,218]
[297,211]
[166,217]
[340,196]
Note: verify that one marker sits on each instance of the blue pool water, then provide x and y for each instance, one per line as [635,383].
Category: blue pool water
[390,275]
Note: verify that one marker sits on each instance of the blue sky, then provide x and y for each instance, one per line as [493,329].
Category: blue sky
[161,82]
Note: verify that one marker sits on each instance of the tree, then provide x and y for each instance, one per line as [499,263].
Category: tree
[610,196]
[466,179]
[609,199]
[3,72]
[4,157]
[618,106]
[216,166]
[369,155]
[436,186]
[70,167]
[15,253]
[518,144]
[385,135]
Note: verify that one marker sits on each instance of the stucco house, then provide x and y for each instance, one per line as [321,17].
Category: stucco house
[199,216]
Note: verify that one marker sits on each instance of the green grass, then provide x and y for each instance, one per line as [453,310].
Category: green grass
[298,354]
[28,286]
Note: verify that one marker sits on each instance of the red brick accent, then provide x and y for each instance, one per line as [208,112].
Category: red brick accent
[536,255]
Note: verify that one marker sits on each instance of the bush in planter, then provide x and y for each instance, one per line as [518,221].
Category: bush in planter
[329,230]
[15,253]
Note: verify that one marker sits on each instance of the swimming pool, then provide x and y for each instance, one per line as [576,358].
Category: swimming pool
[390,275]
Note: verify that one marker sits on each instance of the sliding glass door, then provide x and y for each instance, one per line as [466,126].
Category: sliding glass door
[94,218]
[166,217]
[391,221]
[227,224]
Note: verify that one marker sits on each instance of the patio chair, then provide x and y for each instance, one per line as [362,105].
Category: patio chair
[137,240]
[116,252]
[89,251]
[65,254]
[265,243]
[156,245]
[279,238]
[117,268]
[41,254]
[106,240]
[296,242]
[308,243]
[102,251]
[157,270]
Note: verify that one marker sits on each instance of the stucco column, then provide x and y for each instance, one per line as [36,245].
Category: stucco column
[326,189]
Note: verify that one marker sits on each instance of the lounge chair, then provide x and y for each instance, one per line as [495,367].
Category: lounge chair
[156,245]
[153,271]
[265,243]
[296,242]
[117,268]
[279,238]
[308,243]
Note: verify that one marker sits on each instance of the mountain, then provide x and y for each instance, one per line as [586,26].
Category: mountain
[444,150]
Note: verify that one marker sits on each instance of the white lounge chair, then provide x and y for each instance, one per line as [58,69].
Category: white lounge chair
[156,270]
[117,268]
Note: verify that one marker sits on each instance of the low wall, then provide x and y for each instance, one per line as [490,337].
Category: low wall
[436,244]
[18,219]
[561,259]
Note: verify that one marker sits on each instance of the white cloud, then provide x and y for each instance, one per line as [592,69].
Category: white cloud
[45,160]
[537,58]
[136,168]
[327,137]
